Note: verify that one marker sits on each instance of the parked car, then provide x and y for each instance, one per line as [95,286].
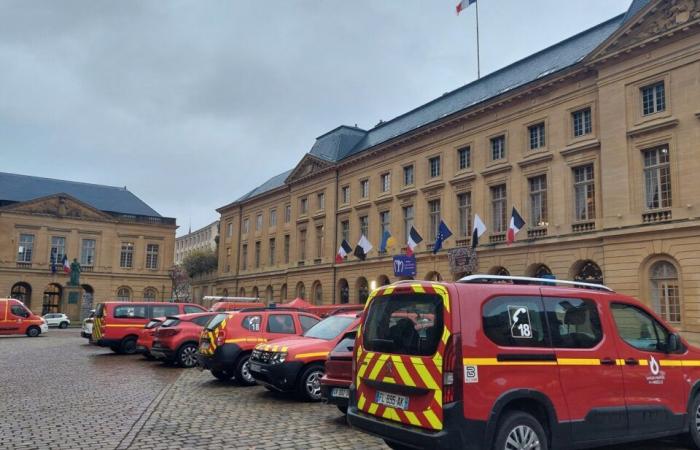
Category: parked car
[228,339]
[57,320]
[296,364]
[177,338]
[235,306]
[86,330]
[335,383]
[515,362]
[117,324]
[145,340]
[16,318]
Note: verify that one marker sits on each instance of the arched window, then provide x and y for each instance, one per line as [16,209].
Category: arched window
[343,291]
[268,294]
[588,272]
[433,276]
[225,292]
[383,280]
[664,290]
[362,290]
[150,294]
[255,292]
[22,292]
[283,292]
[301,290]
[540,271]
[241,292]
[317,292]
[123,294]
[499,270]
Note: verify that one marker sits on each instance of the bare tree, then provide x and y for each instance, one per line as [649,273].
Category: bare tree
[181,284]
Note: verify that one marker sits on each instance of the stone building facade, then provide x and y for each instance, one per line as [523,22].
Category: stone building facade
[124,248]
[594,140]
[203,239]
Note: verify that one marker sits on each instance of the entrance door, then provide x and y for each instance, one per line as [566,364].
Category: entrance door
[52,299]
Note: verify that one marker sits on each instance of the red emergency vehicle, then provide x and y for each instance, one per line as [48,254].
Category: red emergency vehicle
[229,338]
[513,362]
[335,382]
[177,338]
[117,324]
[16,318]
[145,340]
[296,364]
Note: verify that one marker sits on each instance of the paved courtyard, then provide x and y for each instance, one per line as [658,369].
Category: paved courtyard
[58,392]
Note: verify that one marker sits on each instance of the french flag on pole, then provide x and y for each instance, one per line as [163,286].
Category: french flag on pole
[413,240]
[516,224]
[464,4]
[66,266]
[343,251]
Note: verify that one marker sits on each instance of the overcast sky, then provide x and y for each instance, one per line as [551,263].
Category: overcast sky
[191,104]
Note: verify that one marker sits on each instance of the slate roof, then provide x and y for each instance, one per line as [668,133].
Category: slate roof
[338,143]
[21,188]
[272,183]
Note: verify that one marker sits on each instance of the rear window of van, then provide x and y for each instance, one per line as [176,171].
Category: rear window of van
[404,324]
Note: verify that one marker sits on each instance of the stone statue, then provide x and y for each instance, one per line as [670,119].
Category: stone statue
[75,273]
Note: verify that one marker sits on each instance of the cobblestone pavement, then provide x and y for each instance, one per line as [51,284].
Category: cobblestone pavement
[58,392]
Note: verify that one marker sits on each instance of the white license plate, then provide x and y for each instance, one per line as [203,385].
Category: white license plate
[254,367]
[204,346]
[340,393]
[392,400]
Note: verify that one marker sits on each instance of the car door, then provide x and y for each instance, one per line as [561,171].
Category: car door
[16,317]
[655,391]
[586,357]
[279,324]
[8,322]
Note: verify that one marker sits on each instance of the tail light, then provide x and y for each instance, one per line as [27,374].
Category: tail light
[167,332]
[220,339]
[451,374]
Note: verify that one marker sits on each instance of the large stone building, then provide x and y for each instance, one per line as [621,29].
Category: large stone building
[596,141]
[200,240]
[123,246]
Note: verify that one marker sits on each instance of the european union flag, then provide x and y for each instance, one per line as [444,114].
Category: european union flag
[443,233]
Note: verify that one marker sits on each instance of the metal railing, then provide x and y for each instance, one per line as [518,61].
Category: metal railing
[531,280]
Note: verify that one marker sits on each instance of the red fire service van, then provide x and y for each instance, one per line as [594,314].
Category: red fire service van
[519,363]
[15,318]
[117,325]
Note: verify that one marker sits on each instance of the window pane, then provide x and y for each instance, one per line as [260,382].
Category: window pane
[515,322]
[280,323]
[638,329]
[574,323]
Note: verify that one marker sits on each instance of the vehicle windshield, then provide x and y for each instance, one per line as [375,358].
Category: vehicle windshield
[329,328]
[215,321]
[170,322]
[405,324]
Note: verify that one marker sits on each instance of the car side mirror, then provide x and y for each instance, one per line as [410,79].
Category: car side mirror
[674,344]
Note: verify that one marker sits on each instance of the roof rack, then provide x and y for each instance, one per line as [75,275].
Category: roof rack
[531,280]
[267,308]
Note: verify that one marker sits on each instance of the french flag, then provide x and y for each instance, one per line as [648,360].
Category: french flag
[343,251]
[413,240]
[66,266]
[516,224]
[462,5]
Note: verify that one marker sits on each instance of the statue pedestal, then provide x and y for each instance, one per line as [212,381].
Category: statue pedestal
[71,301]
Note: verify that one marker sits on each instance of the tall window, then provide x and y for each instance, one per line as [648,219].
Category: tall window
[345,194]
[126,258]
[303,205]
[345,230]
[229,230]
[434,166]
[581,121]
[244,256]
[287,213]
[321,200]
[25,248]
[498,148]
[123,294]
[258,222]
[58,248]
[434,216]
[464,157]
[150,294]
[464,205]
[498,208]
[364,188]
[273,217]
[653,98]
[407,221]
[257,254]
[246,225]
[364,225]
[319,241]
[536,133]
[384,221]
[385,182]
[538,200]
[286,248]
[408,175]
[87,252]
[584,193]
[302,245]
[665,293]
[152,256]
[272,250]
[657,178]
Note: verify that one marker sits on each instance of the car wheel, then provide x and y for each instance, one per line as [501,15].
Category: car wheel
[223,375]
[520,430]
[128,346]
[694,416]
[243,375]
[310,383]
[187,355]
[33,331]
[63,325]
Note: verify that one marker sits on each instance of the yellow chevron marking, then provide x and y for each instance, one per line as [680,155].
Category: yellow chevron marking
[390,413]
[389,290]
[361,401]
[378,366]
[391,380]
[412,418]
[432,419]
[424,374]
[373,408]
[438,396]
[418,288]
[403,373]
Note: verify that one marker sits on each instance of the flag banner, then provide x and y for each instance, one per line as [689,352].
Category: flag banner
[463,4]
[405,266]
[516,224]
[443,233]
[362,248]
[344,250]
[388,241]
[479,229]
[66,266]
[413,240]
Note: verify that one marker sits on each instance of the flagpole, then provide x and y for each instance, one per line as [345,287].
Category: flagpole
[478,58]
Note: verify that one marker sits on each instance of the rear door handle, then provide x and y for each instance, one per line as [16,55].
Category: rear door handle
[607,362]
[631,362]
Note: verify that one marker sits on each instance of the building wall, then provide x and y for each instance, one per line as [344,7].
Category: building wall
[199,240]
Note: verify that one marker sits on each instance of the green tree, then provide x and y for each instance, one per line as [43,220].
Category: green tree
[200,262]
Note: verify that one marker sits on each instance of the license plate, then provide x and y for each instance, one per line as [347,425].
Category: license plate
[255,367]
[340,393]
[392,400]
[204,346]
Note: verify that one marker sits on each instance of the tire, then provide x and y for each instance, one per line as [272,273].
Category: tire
[223,375]
[187,355]
[519,429]
[243,375]
[33,331]
[395,446]
[63,325]
[309,388]
[694,420]
[128,346]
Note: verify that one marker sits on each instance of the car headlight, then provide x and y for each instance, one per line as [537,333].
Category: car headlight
[278,357]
